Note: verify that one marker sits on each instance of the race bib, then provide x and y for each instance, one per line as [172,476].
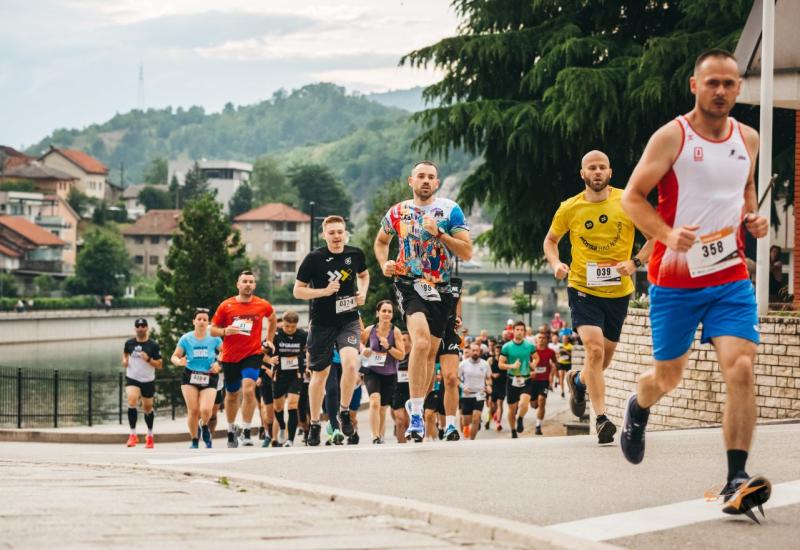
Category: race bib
[199,378]
[602,274]
[200,353]
[518,381]
[402,376]
[245,325]
[713,252]
[343,305]
[479,395]
[427,291]
[376,359]
[290,363]
[540,370]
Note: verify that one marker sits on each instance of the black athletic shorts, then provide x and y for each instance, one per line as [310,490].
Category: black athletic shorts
[400,395]
[470,405]
[264,390]
[434,401]
[286,382]
[513,392]
[381,383]
[451,342]
[249,367]
[220,397]
[321,340]
[607,313]
[539,387]
[410,302]
[303,410]
[148,389]
[565,366]
[499,388]
[210,384]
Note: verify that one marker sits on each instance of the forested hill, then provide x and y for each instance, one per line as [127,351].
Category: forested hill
[364,142]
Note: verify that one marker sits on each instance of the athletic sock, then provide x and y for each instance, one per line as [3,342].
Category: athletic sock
[737,459]
[639,413]
[149,418]
[416,405]
[538,423]
[292,423]
[601,418]
[132,415]
[315,422]
[280,419]
[450,420]
[231,428]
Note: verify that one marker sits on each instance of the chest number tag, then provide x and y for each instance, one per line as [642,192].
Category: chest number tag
[289,363]
[713,252]
[376,359]
[402,376]
[199,378]
[343,305]
[427,291]
[518,381]
[602,274]
[245,325]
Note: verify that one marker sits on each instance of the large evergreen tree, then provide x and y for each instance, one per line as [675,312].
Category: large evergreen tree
[156,171]
[532,86]
[194,185]
[241,201]
[153,198]
[315,182]
[270,184]
[200,269]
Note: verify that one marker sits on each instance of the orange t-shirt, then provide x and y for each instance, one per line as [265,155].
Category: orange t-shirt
[247,316]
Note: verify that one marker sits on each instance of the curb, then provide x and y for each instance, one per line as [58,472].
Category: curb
[42,436]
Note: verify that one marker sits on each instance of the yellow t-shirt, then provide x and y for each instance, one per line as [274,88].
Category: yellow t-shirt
[600,233]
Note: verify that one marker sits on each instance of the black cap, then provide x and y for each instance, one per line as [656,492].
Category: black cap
[141,322]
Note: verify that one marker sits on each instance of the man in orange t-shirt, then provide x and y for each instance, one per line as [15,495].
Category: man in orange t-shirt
[238,320]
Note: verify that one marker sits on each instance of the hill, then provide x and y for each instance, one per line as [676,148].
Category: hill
[409,100]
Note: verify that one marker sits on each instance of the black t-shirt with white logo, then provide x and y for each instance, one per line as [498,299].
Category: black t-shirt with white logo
[321,267]
[289,346]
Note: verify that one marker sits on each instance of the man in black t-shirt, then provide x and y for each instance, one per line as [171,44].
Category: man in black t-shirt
[335,279]
[141,356]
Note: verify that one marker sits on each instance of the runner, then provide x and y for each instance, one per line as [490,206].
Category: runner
[401,395]
[601,235]
[431,231]
[544,365]
[475,375]
[238,321]
[515,358]
[383,349]
[564,358]
[327,277]
[704,165]
[266,401]
[449,356]
[141,356]
[499,382]
[289,364]
[197,353]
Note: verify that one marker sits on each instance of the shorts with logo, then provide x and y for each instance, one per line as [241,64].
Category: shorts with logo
[249,367]
[470,405]
[434,401]
[400,395]
[321,339]
[499,388]
[451,343]
[148,389]
[210,384]
[287,381]
[607,313]
[724,310]
[539,387]
[513,392]
[381,383]
[410,302]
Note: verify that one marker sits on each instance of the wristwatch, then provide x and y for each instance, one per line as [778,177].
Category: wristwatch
[637,262]
[439,231]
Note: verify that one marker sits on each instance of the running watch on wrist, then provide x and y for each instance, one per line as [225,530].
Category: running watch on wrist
[637,262]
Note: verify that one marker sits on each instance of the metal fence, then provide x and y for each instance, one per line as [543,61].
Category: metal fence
[51,397]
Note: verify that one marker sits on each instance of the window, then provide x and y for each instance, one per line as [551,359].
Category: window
[266,247]
[138,240]
[153,260]
[291,246]
[138,260]
[154,239]
[291,226]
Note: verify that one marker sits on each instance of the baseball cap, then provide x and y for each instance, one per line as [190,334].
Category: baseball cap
[140,322]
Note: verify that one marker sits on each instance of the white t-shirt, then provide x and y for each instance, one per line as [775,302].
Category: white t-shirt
[473,376]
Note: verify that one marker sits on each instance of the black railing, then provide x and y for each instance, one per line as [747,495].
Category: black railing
[43,397]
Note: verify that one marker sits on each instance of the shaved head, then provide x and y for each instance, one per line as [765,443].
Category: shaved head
[594,156]
[595,170]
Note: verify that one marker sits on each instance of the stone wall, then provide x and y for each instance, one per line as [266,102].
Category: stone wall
[700,398]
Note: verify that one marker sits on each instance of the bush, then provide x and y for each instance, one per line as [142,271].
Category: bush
[78,302]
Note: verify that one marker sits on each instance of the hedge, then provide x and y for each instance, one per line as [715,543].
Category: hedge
[78,302]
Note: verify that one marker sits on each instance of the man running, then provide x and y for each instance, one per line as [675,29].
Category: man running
[499,383]
[431,231]
[564,358]
[601,235]
[544,365]
[289,363]
[475,375]
[335,279]
[704,165]
[141,356]
[239,320]
[515,357]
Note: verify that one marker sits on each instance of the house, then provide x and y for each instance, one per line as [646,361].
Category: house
[113,192]
[224,176]
[148,240]
[51,181]
[37,250]
[279,233]
[10,157]
[90,172]
[130,196]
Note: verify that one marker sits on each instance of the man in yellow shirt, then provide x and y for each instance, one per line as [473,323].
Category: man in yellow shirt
[599,286]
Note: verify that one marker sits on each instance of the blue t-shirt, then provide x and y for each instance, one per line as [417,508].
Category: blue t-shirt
[200,354]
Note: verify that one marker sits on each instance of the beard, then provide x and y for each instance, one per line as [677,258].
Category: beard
[596,186]
[424,193]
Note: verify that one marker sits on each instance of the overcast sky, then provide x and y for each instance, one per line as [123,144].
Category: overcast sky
[70,63]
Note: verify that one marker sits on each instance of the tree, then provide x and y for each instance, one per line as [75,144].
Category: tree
[271,185]
[79,201]
[200,269]
[156,172]
[153,198]
[175,191]
[241,201]
[316,183]
[45,283]
[195,185]
[8,286]
[531,86]
[103,266]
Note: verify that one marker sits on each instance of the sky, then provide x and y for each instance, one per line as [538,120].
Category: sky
[71,63]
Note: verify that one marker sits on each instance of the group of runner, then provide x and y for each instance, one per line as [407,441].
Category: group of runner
[703,165]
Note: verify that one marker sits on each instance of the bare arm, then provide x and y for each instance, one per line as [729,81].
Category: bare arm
[381,249]
[627,267]
[459,244]
[363,287]
[304,292]
[272,326]
[560,269]
[756,224]
[178,357]
[398,351]
[125,357]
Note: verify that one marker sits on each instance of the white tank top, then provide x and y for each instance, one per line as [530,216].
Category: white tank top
[705,187]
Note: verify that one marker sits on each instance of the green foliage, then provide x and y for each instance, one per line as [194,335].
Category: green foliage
[103,213]
[316,183]
[531,86]
[78,302]
[45,283]
[522,304]
[25,186]
[79,201]
[8,286]
[241,201]
[194,186]
[156,171]
[153,198]
[380,287]
[270,184]
[200,267]
[103,266]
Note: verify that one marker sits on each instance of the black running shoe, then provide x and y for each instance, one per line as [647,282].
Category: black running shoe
[577,398]
[520,426]
[353,439]
[346,423]
[441,434]
[377,441]
[605,432]
[514,434]
[232,440]
[486,426]
[632,438]
[313,435]
[538,430]
[744,493]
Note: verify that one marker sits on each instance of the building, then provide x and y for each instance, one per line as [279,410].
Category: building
[10,157]
[90,172]
[130,196]
[51,181]
[224,176]
[36,249]
[279,233]
[148,240]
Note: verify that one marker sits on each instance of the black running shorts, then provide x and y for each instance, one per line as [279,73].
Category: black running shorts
[539,387]
[410,302]
[288,381]
[513,392]
[607,313]
[400,395]
[148,389]
[321,339]
[471,405]
[381,383]
[499,388]
[209,384]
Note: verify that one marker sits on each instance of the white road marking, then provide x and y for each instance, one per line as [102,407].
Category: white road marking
[670,516]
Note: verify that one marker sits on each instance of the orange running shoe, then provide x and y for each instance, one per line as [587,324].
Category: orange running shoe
[466,430]
[148,442]
[132,440]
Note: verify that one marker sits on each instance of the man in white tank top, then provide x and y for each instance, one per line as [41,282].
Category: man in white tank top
[703,164]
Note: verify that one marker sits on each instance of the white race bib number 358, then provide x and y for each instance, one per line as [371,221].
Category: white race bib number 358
[427,291]
[602,274]
[713,252]
[343,305]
